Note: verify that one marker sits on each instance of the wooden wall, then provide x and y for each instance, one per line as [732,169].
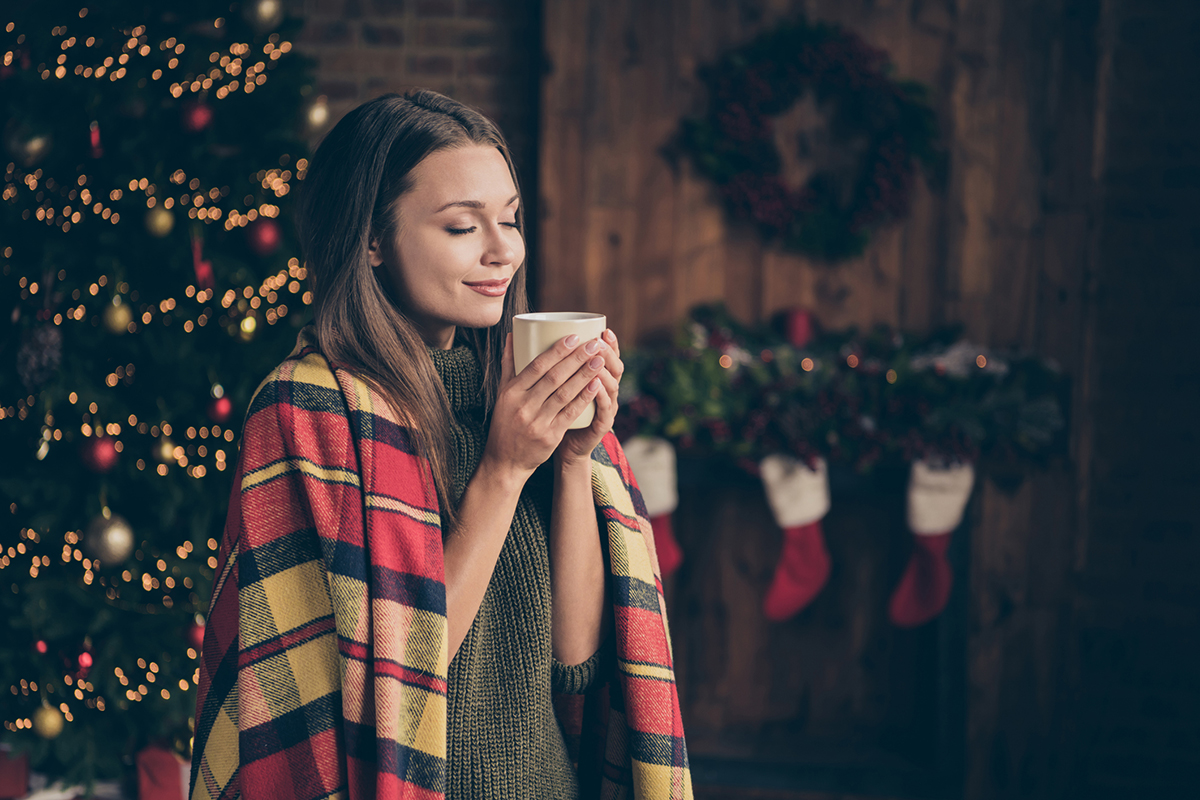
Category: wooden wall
[1004,250]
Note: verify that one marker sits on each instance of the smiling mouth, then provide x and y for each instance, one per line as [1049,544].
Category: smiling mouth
[495,289]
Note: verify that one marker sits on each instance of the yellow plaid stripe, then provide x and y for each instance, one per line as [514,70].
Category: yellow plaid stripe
[386,503]
[285,466]
[637,669]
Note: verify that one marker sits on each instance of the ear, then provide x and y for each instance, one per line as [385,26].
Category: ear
[374,252]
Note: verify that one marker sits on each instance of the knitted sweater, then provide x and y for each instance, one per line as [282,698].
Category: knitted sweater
[503,740]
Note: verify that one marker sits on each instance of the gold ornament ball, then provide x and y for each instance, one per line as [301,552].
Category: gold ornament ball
[264,15]
[48,722]
[247,327]
[159,221]
[165,451]
[109,539]
[30,143]
[118,316]
[318,113]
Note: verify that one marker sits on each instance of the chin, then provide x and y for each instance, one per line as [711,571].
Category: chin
[482,320]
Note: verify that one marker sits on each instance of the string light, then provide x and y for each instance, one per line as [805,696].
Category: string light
[80,201]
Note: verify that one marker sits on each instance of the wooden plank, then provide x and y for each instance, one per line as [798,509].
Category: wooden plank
[922,249]
[562,155]
[627,236]
[606,256]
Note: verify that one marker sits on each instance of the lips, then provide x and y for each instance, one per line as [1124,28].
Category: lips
[490,288]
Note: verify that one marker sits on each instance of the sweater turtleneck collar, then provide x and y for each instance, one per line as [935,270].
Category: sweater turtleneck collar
[461,374]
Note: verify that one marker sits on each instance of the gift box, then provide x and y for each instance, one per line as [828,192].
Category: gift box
[14,774]
[162,774]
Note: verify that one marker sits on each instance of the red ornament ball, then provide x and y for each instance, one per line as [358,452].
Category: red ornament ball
[41,646]
[197,117]
[220,409]
[98,453]
[195,635]
[264,236]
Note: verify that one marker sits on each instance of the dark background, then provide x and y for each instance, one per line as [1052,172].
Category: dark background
[1067,663]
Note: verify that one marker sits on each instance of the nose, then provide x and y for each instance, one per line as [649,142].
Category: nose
[500,250]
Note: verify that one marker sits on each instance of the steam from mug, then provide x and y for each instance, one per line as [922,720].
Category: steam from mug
[534,334]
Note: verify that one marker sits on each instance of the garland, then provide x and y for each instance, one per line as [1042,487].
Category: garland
[734,144]
[860,401]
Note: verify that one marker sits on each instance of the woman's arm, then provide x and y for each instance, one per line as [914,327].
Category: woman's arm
[577,585]
[528,423]
[485,514]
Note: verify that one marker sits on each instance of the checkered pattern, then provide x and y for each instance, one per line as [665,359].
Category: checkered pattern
[325,659]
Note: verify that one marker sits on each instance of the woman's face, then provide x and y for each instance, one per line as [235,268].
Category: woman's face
[457,227]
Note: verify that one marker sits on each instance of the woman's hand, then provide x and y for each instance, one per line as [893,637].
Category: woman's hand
[577,445]
[534,408]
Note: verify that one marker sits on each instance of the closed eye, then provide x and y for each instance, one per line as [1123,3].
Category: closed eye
[472,229]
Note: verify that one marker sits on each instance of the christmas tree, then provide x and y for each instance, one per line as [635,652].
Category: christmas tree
[148,285]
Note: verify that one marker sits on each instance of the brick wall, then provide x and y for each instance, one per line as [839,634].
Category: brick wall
[484,53]
[1137,647]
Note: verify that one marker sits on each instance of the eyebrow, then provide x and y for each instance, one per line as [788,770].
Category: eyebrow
[475,203]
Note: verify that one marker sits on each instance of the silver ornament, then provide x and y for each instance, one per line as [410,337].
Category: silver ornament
[109,539]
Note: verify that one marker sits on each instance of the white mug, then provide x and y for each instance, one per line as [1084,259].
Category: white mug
[534,334]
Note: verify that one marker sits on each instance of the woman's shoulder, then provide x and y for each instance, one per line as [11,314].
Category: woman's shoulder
[308,381]
[305,377]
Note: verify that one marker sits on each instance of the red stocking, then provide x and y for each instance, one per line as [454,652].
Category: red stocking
[653,463]
[937,498]
[670,556]
[799,499]
[924,589]
[801,573]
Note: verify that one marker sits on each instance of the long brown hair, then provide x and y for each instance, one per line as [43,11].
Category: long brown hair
[360,170]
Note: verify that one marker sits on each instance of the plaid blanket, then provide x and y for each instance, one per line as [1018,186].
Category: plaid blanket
[324,665]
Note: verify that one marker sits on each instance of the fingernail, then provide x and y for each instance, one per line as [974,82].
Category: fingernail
[608,334]
[592,347]
[594,385]
[572,340]
[596,363]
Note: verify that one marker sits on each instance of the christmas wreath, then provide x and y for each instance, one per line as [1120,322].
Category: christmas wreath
[879,128]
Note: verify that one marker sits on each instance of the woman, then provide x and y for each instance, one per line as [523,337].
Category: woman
[412,591]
